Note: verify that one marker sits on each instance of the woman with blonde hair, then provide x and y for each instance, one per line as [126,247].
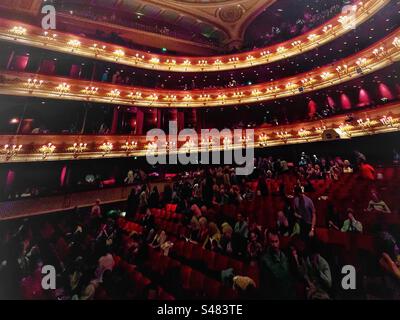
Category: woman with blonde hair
[213,235]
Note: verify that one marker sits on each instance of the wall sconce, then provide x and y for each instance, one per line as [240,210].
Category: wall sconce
[217,62]
[63,88]
[135,96]
[169,145]
[366,124]
[114,94]
[90,91]
[341,70]
[312,37]
[361,62]
[379,52]
[129,147]
[281,50]
[119,54]
[170,98]
[74,44]
[283,135]
[11,151]
[297,44]
[327,28]
[106,148]
[186,63]
[33,84]
[47,149]
[303,133]
[187,97]
[346,129]
[262,140]
[233,60]
[227,142]
[78,148]
[326,75]
[49,36]
[18,31]
[97,49]
[388,121]
[396,42]
[265,54]
[154,60]
[204,97]
[320,130]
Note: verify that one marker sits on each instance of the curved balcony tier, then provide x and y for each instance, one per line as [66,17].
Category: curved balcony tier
[31,148]
[380,55]
[61,42]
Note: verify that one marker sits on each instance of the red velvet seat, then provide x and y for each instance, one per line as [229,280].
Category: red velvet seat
[186,273]
[196,281]
[209,259]
[237,265]
[221,262]
[212,288]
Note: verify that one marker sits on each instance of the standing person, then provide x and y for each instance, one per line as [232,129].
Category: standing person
[143,198]
[276,279]
[305,211]
[154,199]
[133,203]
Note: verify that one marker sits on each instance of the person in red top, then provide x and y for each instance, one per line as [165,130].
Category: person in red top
[367,171]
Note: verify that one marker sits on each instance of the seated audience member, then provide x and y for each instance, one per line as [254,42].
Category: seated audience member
[332,217]
[154,198]
[305,211]
[143,198]
[159,239]
[276,279]
[254,247]
[226,239]
[213,235]
[203,232]
[96,210]
[367,171]
[351,224]
[282,225]
[317,273]
[346,167]
[148,224]
[241,231]
[376,204]
[129,178]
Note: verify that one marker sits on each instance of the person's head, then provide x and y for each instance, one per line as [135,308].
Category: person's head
[253,236]
[212,229]
[148,212]
[281,216]
[203,222]
[298,191]
[273,240]
[97,202]
[374,196]
[240,217]
[350,213]
[346,163]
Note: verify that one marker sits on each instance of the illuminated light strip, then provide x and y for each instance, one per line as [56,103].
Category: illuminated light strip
[358,65]
[111,53]
[117,146]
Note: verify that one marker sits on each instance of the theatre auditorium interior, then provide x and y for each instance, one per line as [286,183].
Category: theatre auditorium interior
[126,127]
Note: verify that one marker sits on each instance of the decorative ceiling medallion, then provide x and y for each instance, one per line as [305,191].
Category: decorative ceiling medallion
[231,14]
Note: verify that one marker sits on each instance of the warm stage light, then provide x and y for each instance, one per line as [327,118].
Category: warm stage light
[129,147]
[63,88]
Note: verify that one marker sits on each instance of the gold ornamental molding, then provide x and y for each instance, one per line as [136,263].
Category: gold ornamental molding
[380,55]
[33,148]
[62,42]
